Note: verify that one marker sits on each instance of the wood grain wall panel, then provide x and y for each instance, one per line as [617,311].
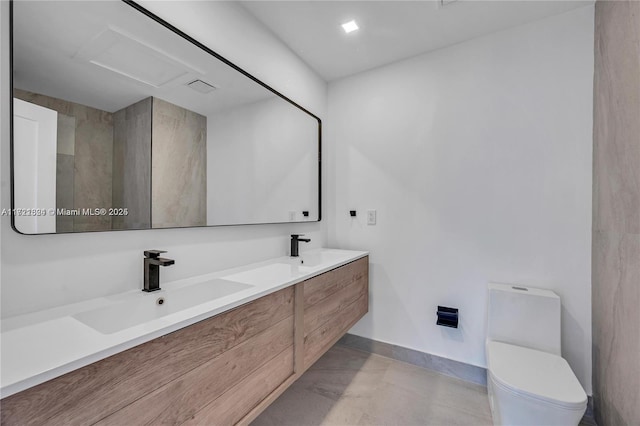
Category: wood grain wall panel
[320,340]
[178,401]
[317,288]
[615,273]
[234,404]
[91,393]
[318,314]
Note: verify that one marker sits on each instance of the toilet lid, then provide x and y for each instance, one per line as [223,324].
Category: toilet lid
[538,374]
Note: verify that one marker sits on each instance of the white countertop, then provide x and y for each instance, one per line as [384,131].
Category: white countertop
[43,345]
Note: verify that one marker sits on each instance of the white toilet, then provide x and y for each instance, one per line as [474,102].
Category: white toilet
[529,382]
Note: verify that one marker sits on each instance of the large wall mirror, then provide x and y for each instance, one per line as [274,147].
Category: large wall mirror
[122,122]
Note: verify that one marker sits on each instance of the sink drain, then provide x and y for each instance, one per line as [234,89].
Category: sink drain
[160,301]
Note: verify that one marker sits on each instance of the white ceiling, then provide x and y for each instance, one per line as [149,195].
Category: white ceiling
[108,56]
[389,30]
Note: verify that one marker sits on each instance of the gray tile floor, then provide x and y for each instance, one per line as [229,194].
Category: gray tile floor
[350,387]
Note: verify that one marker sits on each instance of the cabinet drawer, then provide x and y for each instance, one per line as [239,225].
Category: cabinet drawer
[333,303]
[320,287]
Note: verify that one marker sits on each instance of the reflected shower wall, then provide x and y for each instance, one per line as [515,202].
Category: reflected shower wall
[105,160]
[154,138]
[179,166]
[132,165]
[84,161]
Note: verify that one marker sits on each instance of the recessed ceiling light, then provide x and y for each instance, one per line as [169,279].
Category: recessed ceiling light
[350,26]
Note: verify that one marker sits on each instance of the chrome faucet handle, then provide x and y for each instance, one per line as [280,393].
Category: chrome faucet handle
[153,254]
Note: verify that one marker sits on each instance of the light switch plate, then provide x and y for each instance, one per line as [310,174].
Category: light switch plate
[371,217]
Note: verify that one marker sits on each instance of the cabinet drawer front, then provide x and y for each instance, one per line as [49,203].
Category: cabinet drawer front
[320,287]
[333,303]
[179,400]
[321,339]
[232,407]
[318,314]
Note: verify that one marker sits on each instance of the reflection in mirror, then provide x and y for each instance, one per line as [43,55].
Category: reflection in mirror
[120,123]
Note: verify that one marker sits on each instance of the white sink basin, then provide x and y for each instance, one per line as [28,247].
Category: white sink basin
[320,258]
[120,316]
[288,269]
[269,275]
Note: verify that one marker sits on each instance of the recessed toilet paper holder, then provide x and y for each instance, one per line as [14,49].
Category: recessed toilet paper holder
[447,317]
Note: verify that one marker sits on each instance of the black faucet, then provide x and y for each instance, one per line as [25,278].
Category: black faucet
[295,239]
[152,263]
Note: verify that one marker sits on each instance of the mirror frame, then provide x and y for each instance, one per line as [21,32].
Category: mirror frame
[204,48]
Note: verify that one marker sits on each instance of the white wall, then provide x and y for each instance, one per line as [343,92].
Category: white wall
[43,271]
[477,158]
[261,164]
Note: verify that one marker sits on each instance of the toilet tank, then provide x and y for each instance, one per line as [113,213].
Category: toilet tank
[524,316]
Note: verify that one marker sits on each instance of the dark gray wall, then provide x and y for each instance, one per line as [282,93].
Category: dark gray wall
[179,166]
[132,165]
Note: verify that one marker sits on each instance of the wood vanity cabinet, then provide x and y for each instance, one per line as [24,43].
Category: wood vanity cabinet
[220,371]
[333,303]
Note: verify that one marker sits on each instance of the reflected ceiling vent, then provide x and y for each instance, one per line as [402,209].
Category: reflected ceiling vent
[201,86]
[117,51]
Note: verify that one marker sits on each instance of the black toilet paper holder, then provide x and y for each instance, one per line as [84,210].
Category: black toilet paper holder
[447,317]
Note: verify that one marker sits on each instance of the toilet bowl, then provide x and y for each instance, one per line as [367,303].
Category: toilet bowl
[529,382]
